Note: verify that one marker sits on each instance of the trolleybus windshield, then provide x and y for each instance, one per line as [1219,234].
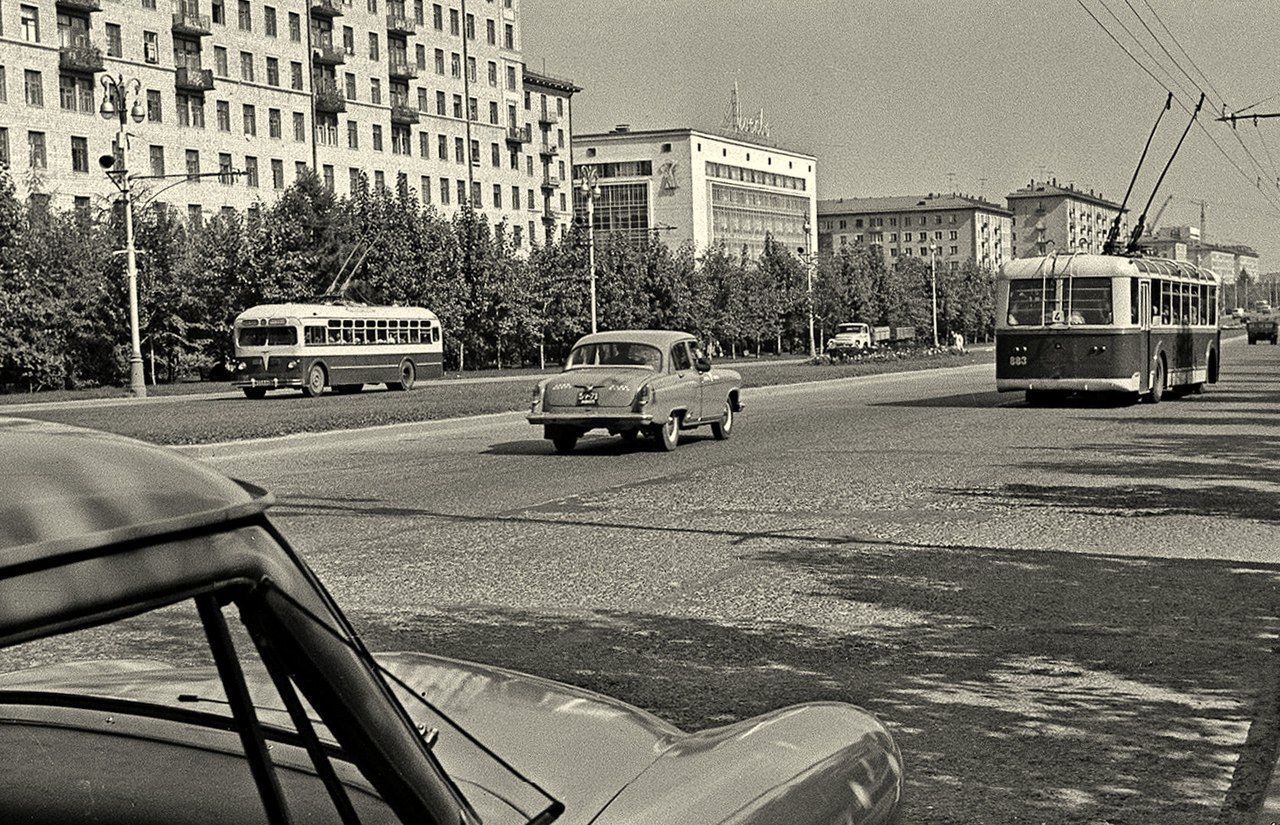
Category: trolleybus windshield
[1040,301]
[268,336]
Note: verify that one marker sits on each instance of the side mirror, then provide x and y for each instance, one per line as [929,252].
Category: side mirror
[703,364]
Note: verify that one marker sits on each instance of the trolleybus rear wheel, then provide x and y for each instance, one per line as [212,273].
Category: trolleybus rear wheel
[1157,383]
[408,375]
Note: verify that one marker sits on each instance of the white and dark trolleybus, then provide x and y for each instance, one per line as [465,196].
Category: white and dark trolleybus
[340,345]
[1082,323]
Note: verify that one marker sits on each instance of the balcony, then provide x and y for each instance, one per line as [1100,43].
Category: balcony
[550,182]
[83,59]
[403,115]
[400,69]
[193,79]
[191,24]
[329,99]
[519,134]
[548,150]
[326,8]
[399,24]
[548,118]
[328,54]
[79,5]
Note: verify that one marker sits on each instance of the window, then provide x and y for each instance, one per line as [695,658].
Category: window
[420,55]
[36,150]
[353,135]
[377,137]
[379,179]
[218,12]
[373,46]
[471,69]
[220,62]
[156,156]
[441,106]
[455,64]
[273,71]
[250,115]
[511,77]
[425,184]
[193,164]
[75,93]
[437,17]
[295,27]
[33,87]
[349,83]
[455,29]
[497,196]
[295,75]
[471,27]
[459,152]
[224,116]
[251,171]
[508,36]
[349,41]
[493,112]
[245,18]
[224,169]
[495,154]
[79,154]
[439,57]
[457,106]
[299,169]
[115,46]
[442,147]
[424,145]
[154,115]
[269,21]
[4,145]
[462,192]
[375,90]
[493,74]
[30,16]
[444,190]
[299,127]
[277,173]
[246,67]
[353,180]
[151,47]
[491,32]
[401,140]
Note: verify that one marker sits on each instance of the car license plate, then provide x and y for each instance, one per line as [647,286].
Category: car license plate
[587,397]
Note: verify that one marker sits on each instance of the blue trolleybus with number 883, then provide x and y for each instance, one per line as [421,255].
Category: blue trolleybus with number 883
[339,345]
[1071,323]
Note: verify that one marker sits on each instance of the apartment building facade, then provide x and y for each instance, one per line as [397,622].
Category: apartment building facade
[230,100]
[695,186]
[1049,218]
[946,230]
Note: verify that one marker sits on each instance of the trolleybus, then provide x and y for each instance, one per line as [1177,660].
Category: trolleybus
[339,345]
[1105,323]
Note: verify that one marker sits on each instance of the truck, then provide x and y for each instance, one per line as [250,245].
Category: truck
[854,337]
[1261,328]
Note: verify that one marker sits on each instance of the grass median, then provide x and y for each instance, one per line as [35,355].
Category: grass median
[204,413]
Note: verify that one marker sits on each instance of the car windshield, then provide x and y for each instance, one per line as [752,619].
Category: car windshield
[615,354]
[850,329]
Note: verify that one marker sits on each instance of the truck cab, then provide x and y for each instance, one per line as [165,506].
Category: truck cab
[850,338]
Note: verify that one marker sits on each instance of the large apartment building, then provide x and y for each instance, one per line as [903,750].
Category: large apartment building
[946,230]
[697,186]
[1049,218]
[407,94]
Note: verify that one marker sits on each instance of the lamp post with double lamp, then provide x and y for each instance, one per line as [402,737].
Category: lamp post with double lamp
[808,272]
[117,92]
[590,191]
[933,285]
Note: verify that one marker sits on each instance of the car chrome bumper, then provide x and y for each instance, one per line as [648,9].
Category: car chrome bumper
[269,383]
[589,420]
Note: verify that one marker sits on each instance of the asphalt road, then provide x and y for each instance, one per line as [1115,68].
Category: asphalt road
[1064,614]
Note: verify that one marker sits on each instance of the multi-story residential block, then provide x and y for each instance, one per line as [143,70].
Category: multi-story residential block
[946,230]
[1050,218]
[695,186]
[1237,266]
[237,97]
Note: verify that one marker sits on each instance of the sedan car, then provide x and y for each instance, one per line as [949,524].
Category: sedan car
[636,382]
[256,700]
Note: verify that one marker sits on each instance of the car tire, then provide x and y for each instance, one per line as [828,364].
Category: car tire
[669,433]
[316,380]
[1157,384]
[564,440]
[254,392]
[408,377]
[722,428]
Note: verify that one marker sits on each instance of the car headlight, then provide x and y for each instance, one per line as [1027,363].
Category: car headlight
[242,366]
[291,365]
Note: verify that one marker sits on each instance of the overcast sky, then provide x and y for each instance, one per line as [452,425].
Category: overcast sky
[899,97]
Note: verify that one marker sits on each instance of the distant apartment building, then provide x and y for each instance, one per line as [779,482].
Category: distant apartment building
[1049,218]
[947,229]
[1235,265]
[701,187]
[401,94]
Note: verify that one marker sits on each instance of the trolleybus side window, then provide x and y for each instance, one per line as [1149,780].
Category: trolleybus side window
[268,336]
[313,334]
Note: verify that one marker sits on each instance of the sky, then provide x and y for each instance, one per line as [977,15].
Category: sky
[917,96]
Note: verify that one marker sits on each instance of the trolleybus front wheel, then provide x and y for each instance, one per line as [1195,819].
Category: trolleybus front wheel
[316,379]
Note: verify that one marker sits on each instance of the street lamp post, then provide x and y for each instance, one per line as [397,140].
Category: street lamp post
[933,284]
[590,191]
[115,104]
[808,271]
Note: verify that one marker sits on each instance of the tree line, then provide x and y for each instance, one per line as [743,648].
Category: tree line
[64,308]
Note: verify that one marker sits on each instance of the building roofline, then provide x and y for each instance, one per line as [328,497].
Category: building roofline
[907,203]
[1042,190]
[743,140]
[557,83]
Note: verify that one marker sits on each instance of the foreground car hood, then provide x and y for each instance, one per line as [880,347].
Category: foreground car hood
[607,761]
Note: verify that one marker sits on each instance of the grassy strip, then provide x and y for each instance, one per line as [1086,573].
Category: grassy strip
[213,416]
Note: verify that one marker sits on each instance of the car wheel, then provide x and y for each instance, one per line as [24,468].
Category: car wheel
[408,375]
[564,440]
[1157,384]
[669,434]
[316,380]
[254,392]
[722,428]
